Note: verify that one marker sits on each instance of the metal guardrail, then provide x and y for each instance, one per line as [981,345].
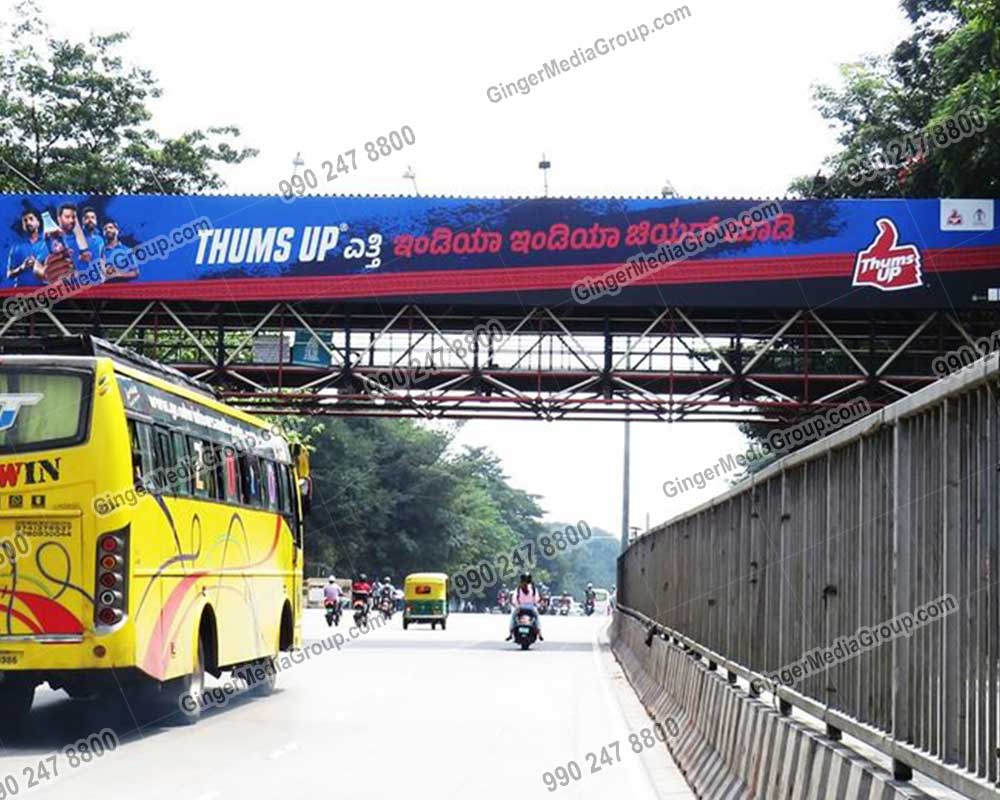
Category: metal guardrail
[851,533]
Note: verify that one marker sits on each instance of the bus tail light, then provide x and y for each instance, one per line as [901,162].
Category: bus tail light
[111,595]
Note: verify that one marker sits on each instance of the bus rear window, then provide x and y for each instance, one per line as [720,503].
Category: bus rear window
[42,409]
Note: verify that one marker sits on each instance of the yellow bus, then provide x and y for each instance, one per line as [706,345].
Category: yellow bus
[148,533]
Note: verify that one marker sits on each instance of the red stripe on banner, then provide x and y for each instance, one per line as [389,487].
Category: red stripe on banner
[470,280]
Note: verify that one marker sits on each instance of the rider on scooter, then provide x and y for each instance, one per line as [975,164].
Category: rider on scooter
[525,596]
[361,590]
[332,592]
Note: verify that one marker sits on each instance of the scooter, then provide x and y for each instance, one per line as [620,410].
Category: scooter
[526,627]
[360,611]
[332,613]
[564,607]
[385,605]
[588,607]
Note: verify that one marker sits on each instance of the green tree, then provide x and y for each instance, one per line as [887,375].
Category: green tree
[390,498]
[74,117]
[949,64]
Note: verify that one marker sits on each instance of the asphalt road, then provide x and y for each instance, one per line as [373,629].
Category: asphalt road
[391,714]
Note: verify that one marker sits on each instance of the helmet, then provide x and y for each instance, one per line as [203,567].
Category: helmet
[590,586]
[525,577]
[362,577]
[332,579]
[386,579]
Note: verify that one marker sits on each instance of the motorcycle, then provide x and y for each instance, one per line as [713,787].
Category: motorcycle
[588,608]
[526,627]
[332,613]
[385,605]
[565,606]
[360,611]
[543,604]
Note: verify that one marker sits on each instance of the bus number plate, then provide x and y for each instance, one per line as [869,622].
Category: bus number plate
[43,528]
[9,657]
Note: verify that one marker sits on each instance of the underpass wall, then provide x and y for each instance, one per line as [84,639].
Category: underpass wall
[732,746]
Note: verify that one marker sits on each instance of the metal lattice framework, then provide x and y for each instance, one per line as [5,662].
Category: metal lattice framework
[668,363]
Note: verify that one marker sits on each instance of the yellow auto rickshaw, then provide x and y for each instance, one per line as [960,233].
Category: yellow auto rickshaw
[426,599]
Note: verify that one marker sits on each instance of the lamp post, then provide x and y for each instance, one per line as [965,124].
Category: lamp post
[625,489]
[410,175]
[544,165]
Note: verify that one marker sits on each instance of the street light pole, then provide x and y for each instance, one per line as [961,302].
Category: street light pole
[544,165]
[410,175]
[625,489]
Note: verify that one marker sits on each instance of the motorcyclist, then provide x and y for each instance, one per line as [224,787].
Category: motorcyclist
[525,596]
[385,591]
[361,590]
[590,594]
[332,592]
[502,596]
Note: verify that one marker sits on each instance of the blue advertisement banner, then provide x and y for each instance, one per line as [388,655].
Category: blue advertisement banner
[936,253]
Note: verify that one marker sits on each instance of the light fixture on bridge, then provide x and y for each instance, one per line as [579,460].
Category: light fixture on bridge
[544,165]
[410,175]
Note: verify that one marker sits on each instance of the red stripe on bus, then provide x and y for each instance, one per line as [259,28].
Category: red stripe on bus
[155,662]
[51,616]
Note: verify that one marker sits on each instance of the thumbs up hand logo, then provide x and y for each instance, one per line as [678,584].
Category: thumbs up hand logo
[885,264]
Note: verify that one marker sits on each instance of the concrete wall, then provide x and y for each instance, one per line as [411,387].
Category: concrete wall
[729,745]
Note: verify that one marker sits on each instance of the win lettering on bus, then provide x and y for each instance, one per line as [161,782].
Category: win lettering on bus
[220,514]
[29,472]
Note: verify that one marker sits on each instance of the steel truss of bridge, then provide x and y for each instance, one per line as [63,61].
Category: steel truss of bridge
[668,363]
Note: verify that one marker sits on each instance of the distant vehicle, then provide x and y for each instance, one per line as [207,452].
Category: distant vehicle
[426,595]
[602,600]
[332,613]
[360,611]
[565,605]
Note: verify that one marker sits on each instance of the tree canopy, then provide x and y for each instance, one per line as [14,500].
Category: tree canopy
[390,498]
[950,64]
[74,117]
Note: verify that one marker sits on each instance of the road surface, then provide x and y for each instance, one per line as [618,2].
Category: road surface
[391,714]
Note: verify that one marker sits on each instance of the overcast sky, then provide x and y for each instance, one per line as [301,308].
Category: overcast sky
[720,104]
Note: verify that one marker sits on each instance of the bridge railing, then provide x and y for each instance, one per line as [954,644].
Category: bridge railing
[858,579]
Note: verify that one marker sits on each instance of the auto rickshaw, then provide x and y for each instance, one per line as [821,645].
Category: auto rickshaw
[425,597]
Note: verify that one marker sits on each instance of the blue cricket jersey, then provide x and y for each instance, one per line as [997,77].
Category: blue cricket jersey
[22,250]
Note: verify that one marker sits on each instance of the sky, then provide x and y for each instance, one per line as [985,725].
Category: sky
[720,104]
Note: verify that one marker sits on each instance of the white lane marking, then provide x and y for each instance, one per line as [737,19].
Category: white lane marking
[291,747]
[639,780]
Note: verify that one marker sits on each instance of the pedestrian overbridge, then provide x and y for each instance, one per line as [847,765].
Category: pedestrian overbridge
[847,592]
